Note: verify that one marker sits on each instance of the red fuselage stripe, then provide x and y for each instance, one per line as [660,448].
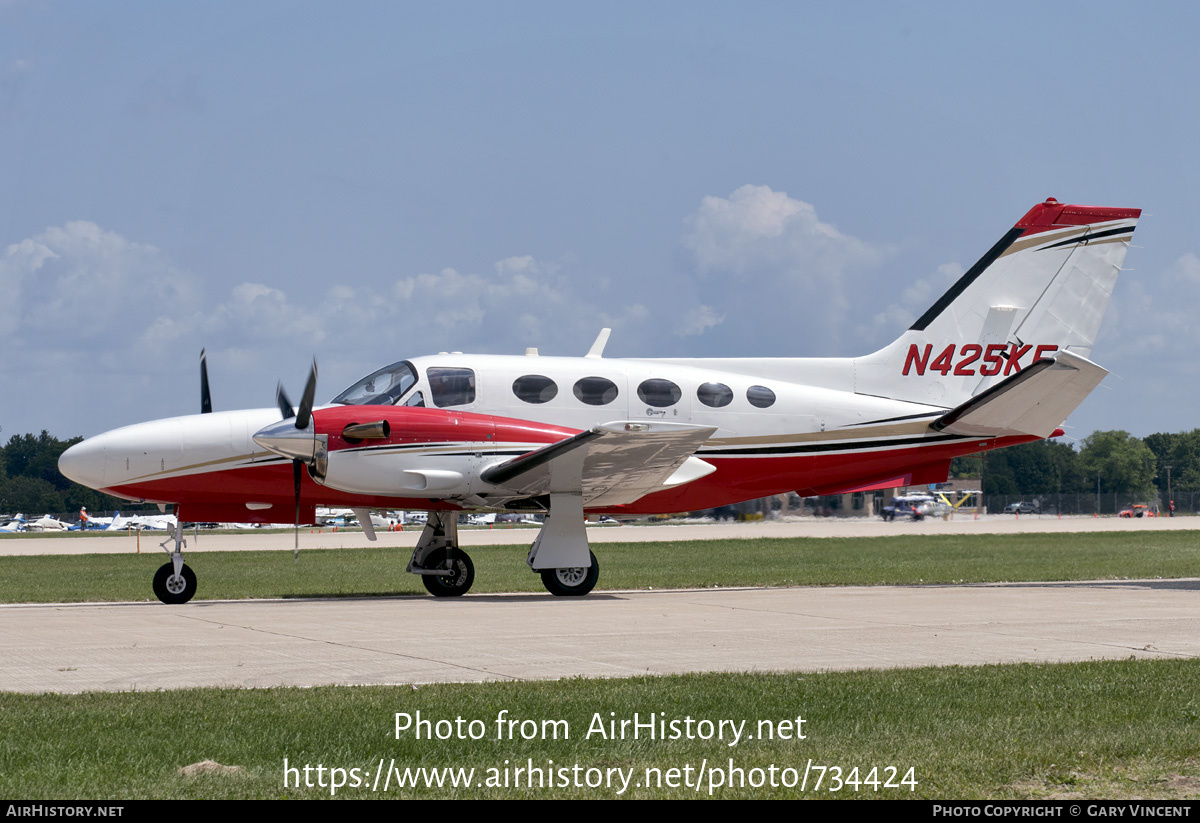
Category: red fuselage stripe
[735,479]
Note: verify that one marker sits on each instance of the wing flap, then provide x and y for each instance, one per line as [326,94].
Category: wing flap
[1034,401]
[613,464]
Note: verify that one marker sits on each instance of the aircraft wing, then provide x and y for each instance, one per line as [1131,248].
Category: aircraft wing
[611,465]
[1035,400]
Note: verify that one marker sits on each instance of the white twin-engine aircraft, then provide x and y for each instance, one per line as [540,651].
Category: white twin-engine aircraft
[1001,358]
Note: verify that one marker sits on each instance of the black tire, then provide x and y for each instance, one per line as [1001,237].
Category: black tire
[174,591]
[574,582]
[453,585]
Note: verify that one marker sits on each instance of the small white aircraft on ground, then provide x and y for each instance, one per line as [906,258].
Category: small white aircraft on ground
[1001,358]
[46,523]
[139,522]
[15,524]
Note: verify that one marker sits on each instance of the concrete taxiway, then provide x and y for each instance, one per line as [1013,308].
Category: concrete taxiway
[83,647]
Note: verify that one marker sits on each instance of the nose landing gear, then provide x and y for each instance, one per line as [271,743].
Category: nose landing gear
[174,583]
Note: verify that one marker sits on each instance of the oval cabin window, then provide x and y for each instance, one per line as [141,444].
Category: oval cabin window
[595,391]
[715,395]
[760,396]
[535,388]
[659,393]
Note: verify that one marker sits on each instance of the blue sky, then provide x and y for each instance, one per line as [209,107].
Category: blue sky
[372,181]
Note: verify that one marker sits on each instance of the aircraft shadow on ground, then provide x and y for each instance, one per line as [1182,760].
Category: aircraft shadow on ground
[474,598]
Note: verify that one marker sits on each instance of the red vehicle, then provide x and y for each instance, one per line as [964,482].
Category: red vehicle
[1138,510]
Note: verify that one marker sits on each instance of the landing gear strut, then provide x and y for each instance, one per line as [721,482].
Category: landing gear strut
[445,569]
[174,582]
[560,554]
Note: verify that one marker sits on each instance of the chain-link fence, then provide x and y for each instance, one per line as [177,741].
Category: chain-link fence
[1102,504]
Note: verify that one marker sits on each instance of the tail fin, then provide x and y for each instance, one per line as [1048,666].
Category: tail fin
[1043,288]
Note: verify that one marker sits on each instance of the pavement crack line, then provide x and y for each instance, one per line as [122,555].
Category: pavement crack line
[977,628]
[345,645]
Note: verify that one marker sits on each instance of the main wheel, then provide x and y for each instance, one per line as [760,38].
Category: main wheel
[174,588]
[454,584]
[572,581]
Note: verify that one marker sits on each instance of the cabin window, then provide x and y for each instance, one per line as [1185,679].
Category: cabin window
[451,387]
[659,393]
[417,400]
[535,388]
[595,391]
[715,395]
[760,396]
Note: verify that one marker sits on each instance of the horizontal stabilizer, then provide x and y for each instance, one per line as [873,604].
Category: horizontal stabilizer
[1035,401]
[610,465]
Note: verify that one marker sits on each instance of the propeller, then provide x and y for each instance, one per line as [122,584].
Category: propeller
[303,415]
[303,418]
[205,396]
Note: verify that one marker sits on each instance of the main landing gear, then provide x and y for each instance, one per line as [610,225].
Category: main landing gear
[174,582]
[571,581]
[560,554]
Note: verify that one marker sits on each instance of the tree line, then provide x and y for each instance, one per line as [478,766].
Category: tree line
[31,483]
[1116,460]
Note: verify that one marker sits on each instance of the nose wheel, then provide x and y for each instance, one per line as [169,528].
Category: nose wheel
[445,569]
[458,582]
[172,587]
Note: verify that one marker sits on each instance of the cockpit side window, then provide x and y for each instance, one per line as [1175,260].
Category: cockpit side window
[417,400]
[381,388]
[451,387]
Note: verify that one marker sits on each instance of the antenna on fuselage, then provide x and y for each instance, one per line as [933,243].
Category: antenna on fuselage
[597,349]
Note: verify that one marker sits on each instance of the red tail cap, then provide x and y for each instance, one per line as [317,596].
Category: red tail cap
[1053,214]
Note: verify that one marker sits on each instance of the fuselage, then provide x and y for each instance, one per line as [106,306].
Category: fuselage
[452,416]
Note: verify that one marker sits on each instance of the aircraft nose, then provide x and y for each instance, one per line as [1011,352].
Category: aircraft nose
[84,463]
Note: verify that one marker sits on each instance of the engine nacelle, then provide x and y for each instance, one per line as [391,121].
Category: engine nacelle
[419,452]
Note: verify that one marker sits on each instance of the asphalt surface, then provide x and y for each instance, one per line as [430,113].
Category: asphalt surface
[117,647]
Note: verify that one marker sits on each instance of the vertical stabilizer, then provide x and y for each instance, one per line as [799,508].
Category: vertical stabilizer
[1041,289]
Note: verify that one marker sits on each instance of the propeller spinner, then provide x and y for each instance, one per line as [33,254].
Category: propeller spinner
[293,436]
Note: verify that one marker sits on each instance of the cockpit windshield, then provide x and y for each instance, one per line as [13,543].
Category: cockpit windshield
[381,388]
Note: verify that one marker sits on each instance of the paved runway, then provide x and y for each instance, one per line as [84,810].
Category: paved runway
[82,647]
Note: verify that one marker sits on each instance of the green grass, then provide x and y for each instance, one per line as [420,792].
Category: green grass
[1104,729]
[704,564]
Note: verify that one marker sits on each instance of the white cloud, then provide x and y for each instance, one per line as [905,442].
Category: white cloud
[1185,270]
[1149,325]
[756,230]
[526,302]
[775,270]
[21,262]
[698,320]
[79,282]
[910,303]
[255,311]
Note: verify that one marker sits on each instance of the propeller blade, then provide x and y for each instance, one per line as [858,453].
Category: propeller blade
[205,396]
[285,405]
[304,415]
